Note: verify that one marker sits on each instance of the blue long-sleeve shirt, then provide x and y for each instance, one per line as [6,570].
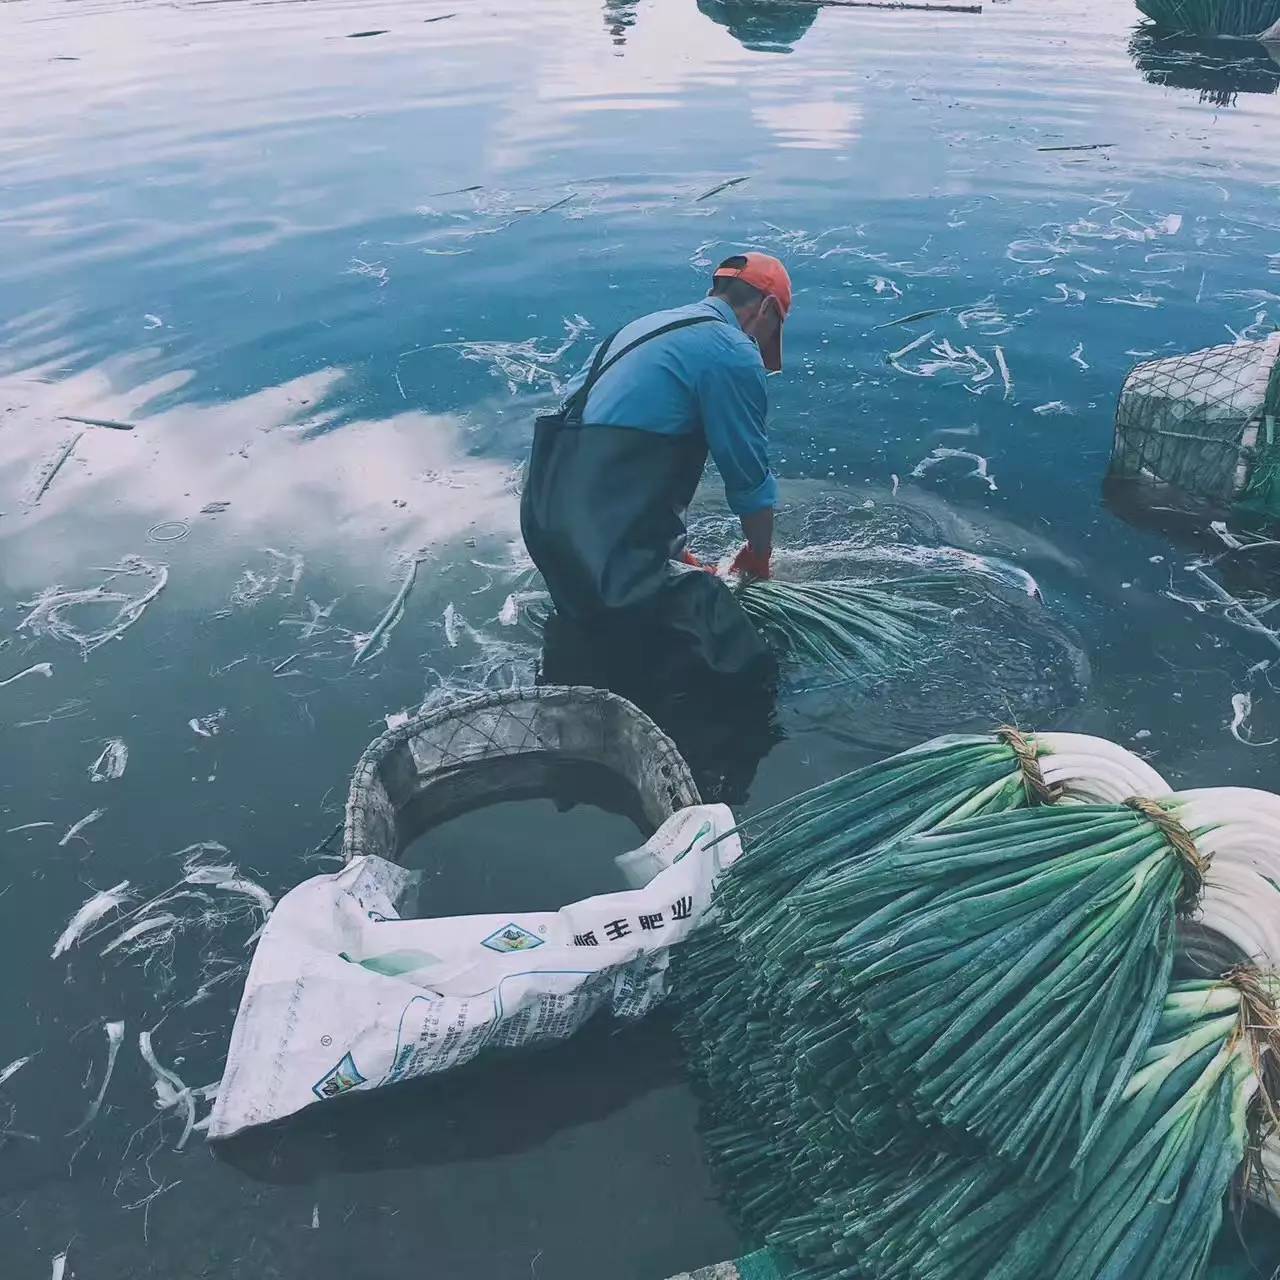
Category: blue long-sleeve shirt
[706,378]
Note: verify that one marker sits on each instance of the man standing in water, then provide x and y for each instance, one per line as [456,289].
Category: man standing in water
[612,474]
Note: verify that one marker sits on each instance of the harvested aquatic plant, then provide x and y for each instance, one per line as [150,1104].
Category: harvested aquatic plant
[755,961]
[850,630]
[936,1026]
[1002,965]
[1144,1204]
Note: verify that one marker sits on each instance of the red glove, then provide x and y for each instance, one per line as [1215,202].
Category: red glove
[751,564]
[687,557]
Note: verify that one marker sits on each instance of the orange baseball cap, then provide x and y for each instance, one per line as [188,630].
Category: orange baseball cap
[766,273]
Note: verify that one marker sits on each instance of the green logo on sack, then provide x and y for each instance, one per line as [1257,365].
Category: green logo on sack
[511,937]
[341,1079]
[703,830]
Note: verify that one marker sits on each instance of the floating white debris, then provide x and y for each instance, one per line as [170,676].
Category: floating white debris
[210,874]
[77,827]
[48,609]
[1254,297]
[40,669]
[1228,539]
[54,465]
[1241,710]
[27,826]
[115,1037]
[310,627]
[147,925]
[111,763]
[1078,356]
[943,357]
[191,854]
[1067,293]
[509,614]
[894,356]
[1236,611]
[371,270]
[883,285]
[170,1091]
[523,364]
[315,1217]
[986,317]
[247,888]
[699,260]
[208,726]
[1053,408]
[14,1067]
[1003,365]
[452,626]
[253,585]
[59,1266]
[90,913]
[1260,328]
[1145,300]
[394,612]
[941,454]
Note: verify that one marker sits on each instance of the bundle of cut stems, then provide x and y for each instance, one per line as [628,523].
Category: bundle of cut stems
[1144,1204]
[755,959]
[848,629]
[936,1026]
[998,967]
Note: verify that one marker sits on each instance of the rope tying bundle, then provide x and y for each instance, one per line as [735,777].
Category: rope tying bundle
[1260,1026]
[1194,864]
[1038,790]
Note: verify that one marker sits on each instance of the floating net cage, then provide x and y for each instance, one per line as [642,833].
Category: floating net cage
[509,745]
[1207,424]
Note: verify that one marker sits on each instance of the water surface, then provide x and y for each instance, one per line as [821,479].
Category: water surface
[329,259]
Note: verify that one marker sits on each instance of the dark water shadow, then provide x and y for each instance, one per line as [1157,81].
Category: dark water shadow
[1220,70]
[761,25]
[723,727]
[1251,569]
[619,18]
[498,1106]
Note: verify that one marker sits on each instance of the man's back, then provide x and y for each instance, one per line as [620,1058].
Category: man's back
[706,379]
[656,387]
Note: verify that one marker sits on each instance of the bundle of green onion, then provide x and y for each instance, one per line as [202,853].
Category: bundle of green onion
[848,629]
[1002,963]
[936,1009]
[753,965]
[1144,1204]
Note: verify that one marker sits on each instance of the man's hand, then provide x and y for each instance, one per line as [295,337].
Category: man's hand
[753,560]
[749,563]
[687,557]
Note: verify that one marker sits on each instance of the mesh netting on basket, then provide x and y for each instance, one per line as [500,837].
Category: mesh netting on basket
[480,750]
[1262,493]
[1205,422]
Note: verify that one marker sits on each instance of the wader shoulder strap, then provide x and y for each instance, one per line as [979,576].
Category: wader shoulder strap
[600,366]
[578,401]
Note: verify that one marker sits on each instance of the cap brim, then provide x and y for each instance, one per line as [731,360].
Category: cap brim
[771,352]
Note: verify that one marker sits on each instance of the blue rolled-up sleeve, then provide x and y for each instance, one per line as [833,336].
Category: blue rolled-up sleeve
[733,402]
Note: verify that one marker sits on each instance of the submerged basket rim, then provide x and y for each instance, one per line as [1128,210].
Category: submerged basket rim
[676,773]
